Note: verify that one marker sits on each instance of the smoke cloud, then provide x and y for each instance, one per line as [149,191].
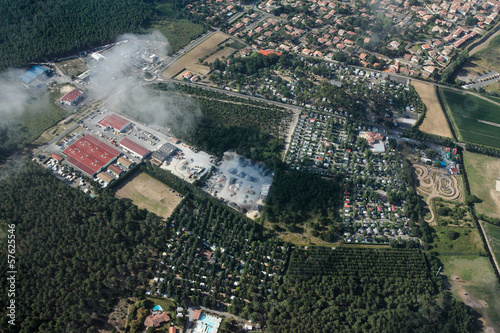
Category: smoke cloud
[15,99]
[121,75]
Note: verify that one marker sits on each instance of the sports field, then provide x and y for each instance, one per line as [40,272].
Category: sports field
[474,282]
[482,173]
[476,120]
[435,120]
[149,193]
[189,61]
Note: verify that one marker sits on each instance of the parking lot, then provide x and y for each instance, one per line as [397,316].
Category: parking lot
[241,183]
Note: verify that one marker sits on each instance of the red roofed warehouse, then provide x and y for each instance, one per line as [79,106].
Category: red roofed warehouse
[73,97]
[116,122]
[90,155]
[134,148]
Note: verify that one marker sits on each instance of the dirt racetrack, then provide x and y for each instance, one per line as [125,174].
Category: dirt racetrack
[435,120]
[436,183]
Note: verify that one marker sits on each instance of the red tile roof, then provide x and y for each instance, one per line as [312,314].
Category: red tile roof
[196,314]
[134,147]
[115,121]
[90,154]
[71,96]
[57,157]
[268,52]
[156,320]
[115,169]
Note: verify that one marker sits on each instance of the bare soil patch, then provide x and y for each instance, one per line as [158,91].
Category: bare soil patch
[435,120]
[225,52]
[189,61]
[72,67]
[149,193]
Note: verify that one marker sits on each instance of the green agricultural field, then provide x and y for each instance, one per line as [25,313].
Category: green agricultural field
[493,234]
[474,277]
[482,172]
[456,240]
[476,120]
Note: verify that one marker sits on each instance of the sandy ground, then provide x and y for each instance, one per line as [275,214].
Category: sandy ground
[435,183]
[435,120]
[225,52]
[149,193]
[189,61]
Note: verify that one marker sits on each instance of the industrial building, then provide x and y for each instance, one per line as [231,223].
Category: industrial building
[35,76]
[115,122]
[73,97]
[134,148]
[163,152]
[105,177]
[115,170]
[125,162]
[90,155]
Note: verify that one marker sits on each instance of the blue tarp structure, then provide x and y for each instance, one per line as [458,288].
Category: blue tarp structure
[32,73]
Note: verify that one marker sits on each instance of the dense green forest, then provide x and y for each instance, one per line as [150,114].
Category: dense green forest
[74,255]
[364,290]
[297,196]
[41,30]
[236,123]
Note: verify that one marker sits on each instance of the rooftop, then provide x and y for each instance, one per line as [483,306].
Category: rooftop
[134,147]
[114,121]
[90,154]
[71,96]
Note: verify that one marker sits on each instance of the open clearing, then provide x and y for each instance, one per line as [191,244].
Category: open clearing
[149,193]
[485,57]
[474,118]
[473,281]
[225,52]
[189,61]
[72,67]
[435,120]
[482,172]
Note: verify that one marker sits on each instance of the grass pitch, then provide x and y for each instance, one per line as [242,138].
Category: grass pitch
[476,285]
[482,172]
[149,193]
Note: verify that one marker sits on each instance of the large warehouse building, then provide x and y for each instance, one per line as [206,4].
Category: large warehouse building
[115,122]
[73,97]
[134,148]
[90,155]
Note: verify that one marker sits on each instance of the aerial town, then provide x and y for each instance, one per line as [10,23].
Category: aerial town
[221,166]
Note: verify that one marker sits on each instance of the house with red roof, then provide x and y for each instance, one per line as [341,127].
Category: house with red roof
[73,97]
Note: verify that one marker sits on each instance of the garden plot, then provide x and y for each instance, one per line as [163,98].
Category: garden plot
[241,183]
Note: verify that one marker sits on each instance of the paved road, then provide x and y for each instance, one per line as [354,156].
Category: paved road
[232,93]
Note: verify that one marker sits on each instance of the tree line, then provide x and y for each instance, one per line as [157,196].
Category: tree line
[77,255]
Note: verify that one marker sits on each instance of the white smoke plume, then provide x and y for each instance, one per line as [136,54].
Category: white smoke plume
[120,75]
